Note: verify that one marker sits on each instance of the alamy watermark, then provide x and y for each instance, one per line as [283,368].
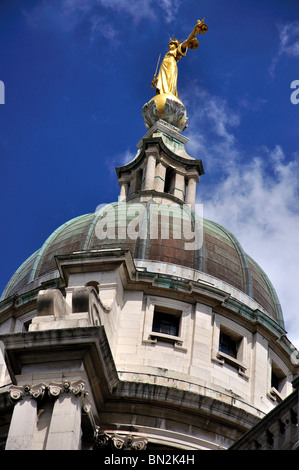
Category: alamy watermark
[295,95]
[2,92]
[150,222]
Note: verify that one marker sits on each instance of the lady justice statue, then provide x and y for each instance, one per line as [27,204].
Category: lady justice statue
[166,105]
[166,82]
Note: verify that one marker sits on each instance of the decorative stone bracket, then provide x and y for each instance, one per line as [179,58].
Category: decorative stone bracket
[104,440]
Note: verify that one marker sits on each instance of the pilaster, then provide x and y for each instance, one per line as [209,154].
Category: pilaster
[124,189]
[160,177]
[179,188]
[22,426]
[150,171]
[65,427]
[191,191]
[65,422]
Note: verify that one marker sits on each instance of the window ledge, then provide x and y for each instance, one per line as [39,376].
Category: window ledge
[222,357]
[149,340]
[275,395]
[156,334]
[176,340]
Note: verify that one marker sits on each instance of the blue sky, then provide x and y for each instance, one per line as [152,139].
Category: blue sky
[76,75]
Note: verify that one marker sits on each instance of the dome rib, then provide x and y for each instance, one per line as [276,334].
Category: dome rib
[276,303]
[91,228]
[41,251]
[247,279]
[17,276]
[228,257]
[141,246]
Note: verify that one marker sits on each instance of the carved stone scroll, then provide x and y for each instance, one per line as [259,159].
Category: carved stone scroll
[54,390]
[35,391]
[104,440]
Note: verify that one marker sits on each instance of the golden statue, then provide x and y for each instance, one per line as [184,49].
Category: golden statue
[166,82]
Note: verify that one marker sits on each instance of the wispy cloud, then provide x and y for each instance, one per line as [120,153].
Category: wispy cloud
[169,9]
[113,161]
[211,128]
[66,15]
[289,39]
[288,43]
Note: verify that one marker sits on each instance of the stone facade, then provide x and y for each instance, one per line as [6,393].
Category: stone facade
[138,371]
[278,430]
[117,351]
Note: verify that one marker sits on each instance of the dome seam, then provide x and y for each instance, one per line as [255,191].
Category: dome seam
[246,275]
[278,309]
[41,251]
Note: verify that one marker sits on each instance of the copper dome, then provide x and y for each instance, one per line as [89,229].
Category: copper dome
[220,256]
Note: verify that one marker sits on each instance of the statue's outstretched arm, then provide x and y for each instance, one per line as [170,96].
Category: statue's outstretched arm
[199,28]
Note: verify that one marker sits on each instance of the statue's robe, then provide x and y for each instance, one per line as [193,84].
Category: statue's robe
[168,73]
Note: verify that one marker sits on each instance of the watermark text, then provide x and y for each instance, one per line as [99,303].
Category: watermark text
[295,94]
[156,221]
[2,92]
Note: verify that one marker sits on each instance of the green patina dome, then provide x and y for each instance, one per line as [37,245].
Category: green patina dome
[220,255]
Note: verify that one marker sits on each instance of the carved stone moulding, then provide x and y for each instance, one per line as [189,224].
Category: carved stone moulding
[54,390]
[167,107]
[77,388]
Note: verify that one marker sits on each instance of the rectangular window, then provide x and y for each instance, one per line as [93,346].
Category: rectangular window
[228,345]
[166,323]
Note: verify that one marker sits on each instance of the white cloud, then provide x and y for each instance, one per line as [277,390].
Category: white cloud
[126,157]
[211,128]
[257,200]
[262,211]
[111,162]
[289,39]
[170,9]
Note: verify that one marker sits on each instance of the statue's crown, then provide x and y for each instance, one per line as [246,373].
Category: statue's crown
[174,41]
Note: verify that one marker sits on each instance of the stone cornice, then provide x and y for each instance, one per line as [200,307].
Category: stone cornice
[86,344]
[158,141]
